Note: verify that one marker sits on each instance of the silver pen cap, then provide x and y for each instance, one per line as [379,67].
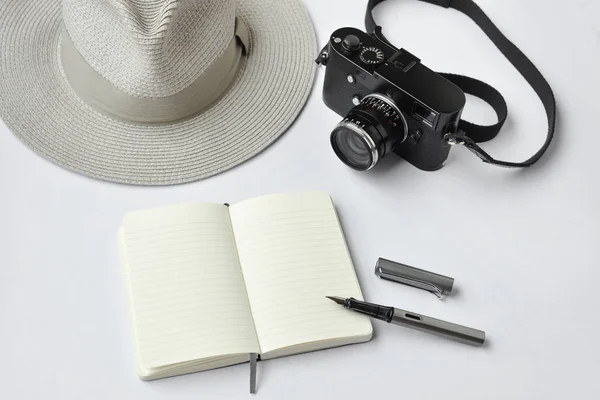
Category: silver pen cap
[418,278]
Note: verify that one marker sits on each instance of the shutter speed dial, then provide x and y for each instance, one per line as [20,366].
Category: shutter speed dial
[372,56]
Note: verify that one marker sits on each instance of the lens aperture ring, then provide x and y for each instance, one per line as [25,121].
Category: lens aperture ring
[389,110]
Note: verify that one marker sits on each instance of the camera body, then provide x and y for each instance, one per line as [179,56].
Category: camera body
[408,107]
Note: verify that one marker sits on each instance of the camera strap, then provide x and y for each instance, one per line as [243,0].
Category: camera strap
[469,134]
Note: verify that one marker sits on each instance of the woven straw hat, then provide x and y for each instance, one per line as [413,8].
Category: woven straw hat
[153,92]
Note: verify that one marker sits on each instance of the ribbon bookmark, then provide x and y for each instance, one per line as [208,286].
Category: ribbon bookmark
[253,362]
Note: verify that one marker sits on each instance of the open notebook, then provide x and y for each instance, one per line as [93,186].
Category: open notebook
[209,284]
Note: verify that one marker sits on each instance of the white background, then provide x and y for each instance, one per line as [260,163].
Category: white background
[522,245]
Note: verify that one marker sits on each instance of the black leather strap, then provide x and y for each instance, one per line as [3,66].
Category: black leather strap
[470,134]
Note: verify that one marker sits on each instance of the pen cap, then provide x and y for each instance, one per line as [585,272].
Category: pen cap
[418,278]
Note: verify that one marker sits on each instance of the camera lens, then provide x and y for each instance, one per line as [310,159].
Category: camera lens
[354,146]
[371,130]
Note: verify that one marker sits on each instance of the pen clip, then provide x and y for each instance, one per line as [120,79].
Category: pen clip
[427,286]
[438,285]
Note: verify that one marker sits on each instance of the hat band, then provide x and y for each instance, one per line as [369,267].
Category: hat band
[106,98]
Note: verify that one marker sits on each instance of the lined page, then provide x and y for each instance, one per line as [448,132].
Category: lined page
[293,254]
[187,293]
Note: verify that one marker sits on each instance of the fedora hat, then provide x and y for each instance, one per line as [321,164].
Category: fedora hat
[153,92]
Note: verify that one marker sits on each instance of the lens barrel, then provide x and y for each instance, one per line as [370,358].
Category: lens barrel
[371,131]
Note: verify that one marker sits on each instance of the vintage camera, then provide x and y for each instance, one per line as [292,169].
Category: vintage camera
[391,103]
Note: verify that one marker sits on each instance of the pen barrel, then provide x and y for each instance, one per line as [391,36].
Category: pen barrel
[463,334]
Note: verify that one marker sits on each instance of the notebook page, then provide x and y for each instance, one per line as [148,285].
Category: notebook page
[187,294]
[293,254]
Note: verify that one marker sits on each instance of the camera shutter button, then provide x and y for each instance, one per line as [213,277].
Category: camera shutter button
[351,43]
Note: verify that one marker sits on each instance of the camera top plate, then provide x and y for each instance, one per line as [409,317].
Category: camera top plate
[375,61]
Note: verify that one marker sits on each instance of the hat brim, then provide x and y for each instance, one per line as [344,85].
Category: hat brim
[39,106]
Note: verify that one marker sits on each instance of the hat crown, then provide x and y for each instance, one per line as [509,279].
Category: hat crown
[150,48]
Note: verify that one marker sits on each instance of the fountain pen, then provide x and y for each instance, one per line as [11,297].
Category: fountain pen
[415,321]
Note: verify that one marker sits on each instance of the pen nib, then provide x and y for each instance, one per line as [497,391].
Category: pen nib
[338,300]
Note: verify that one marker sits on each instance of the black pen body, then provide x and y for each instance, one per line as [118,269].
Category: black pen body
[463,334]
